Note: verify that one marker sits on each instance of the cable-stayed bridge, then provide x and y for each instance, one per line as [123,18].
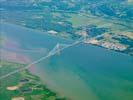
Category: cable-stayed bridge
[58,48]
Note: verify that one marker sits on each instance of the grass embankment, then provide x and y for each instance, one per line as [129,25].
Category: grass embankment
[23,84]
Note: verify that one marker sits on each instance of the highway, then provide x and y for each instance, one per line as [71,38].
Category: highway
[58,48]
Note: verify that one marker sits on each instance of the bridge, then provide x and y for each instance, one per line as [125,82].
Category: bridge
[56,50]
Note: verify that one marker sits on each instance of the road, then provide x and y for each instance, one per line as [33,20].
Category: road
[54,51]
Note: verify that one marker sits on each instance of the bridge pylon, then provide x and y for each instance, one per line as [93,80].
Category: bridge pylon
[57,48]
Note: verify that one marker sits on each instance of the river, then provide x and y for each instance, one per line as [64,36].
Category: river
[81,72]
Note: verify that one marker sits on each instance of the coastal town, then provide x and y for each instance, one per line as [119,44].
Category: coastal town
[108,45]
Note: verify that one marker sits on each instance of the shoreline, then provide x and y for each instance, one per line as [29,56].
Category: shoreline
[26,83]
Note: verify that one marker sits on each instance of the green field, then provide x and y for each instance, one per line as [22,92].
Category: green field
[33,89]
[114,25]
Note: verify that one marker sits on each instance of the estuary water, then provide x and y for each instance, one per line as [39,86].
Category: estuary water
[81,72]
